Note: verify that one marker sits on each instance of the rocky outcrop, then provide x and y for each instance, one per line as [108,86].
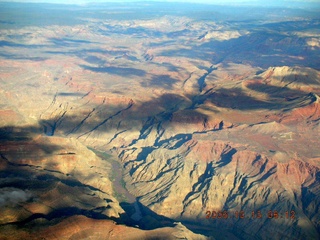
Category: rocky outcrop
[81,227]
[205,175]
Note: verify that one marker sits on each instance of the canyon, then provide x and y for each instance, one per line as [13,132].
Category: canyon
[190,124]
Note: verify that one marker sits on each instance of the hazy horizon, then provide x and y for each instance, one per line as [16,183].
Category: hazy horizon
[286,3]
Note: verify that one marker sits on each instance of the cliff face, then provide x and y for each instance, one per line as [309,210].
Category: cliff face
[57,188]
[187,167]
[46,178]
[204,174]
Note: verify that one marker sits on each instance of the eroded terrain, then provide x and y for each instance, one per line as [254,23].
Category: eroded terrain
[117,126]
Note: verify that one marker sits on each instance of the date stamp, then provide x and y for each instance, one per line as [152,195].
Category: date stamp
[290,215]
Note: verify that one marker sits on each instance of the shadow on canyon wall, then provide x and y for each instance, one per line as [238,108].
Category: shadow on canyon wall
[23,173]
[171,108]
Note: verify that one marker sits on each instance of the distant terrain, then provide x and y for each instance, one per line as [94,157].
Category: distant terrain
[159,121]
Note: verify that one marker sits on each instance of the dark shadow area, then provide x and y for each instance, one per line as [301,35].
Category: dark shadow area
[4,43]
[68,182]
[178,139]
[86,54]
[12,133]
[82,53]
[260,48]
[17,143]
[281,98]
[70,94]
[68,42]
[62,213]
[282,93]
[145,219]
[226,157]
[28,177]
[23,174]
[292,25]
[237,99]
[121,71]
[141,32]
[94,60]
[136,214]
[202,79]
[168,102]
[162,81]
[197,52]
[136,32]
[180,33]
[128,57]
[201,183]
[21,57]
[31,180]
[171,67]
[172,108]
[98,118]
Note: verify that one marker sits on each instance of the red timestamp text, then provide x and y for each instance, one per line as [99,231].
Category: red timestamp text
[257,214]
